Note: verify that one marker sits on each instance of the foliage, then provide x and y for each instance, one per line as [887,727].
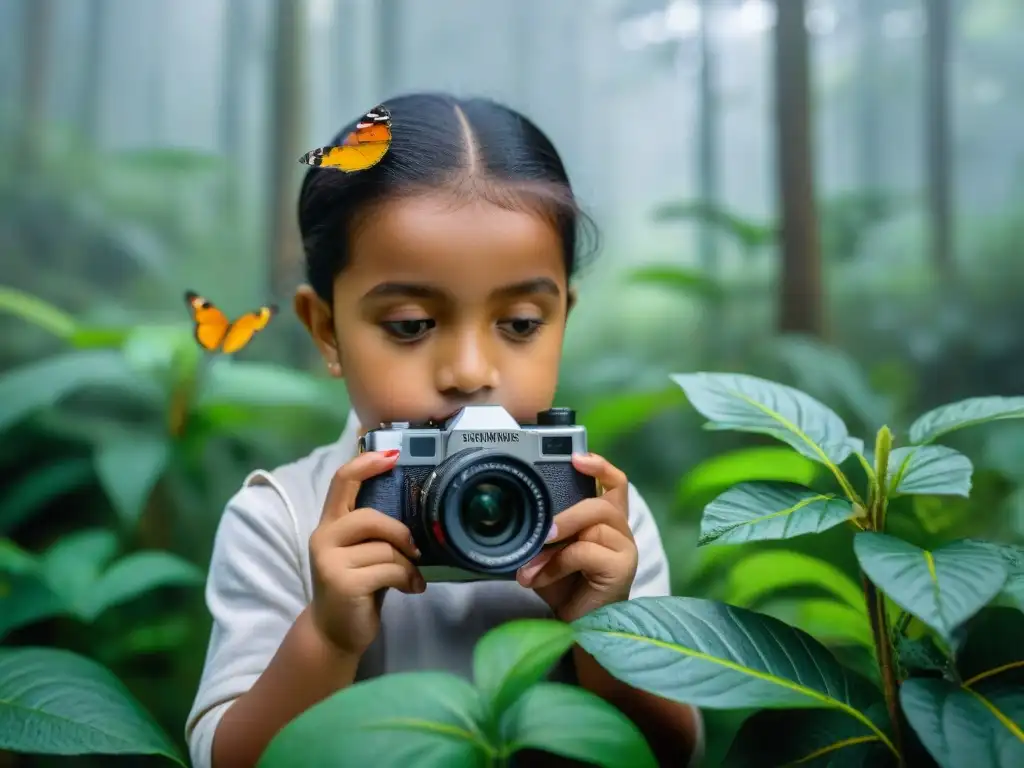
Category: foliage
[927,612]
[151,415]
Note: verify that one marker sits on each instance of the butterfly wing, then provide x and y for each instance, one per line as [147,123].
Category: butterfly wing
[211,324]
[363,148]
[245,327]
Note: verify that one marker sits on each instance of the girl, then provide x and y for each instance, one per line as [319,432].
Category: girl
[438,278]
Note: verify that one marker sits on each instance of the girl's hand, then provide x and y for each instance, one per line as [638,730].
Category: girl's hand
[596,561]
[355,555]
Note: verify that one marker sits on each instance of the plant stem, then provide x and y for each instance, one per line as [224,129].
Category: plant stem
[887,669]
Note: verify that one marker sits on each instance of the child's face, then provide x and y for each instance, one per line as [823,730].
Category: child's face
[443,306]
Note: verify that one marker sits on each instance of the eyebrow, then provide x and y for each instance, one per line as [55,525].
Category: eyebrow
[424,291]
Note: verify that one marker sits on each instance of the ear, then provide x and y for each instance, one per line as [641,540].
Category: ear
[571,301]
[316,315]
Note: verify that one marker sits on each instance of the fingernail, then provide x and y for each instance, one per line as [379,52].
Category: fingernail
[391,453]
[552,534]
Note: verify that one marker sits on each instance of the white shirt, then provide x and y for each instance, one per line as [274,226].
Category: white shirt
[259,582]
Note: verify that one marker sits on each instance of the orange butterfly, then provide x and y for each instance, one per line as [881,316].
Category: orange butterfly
[214,331]
[361,149]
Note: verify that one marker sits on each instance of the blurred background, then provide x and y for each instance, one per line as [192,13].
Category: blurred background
[829,193]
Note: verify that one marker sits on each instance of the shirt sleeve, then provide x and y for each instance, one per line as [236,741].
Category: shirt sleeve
[652,580]
[254,592]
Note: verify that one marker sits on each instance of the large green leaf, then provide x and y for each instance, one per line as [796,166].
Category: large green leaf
[960,726]
[721,657]
[943,588]
[38,385]
[129,467]
[685,281]
[745,403]
[820,738]
[929,469]
[72,565]
[134,575]
[829,621]
[20,500]
[751,234]
[575,723]
[410,718]
[761,574]
[759,511]
[762,462]
[616,415]
[37,312]
[514,656]
[58,703]
[965,413]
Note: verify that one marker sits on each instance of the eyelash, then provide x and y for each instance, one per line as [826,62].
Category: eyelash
[421,326]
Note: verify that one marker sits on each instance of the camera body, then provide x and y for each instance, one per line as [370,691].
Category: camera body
[480,491]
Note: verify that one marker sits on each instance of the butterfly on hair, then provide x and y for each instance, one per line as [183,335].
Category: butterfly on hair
[215,332]
[361,149]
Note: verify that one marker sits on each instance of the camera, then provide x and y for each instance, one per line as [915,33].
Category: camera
[479,491]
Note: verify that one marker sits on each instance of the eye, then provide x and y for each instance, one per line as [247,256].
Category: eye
[408,330]
[520,328]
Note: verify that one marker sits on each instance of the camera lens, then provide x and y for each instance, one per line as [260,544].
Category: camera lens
[487,511]
[492,511]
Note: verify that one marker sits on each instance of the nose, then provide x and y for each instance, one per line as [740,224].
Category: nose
[466,365]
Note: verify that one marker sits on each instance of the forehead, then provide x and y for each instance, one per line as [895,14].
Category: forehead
[465,244]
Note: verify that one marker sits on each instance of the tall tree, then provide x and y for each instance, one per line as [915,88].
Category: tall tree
[869,51]
[936,113]
[801,300]
[285,105]
[707,131]
[91,91]
[236,44]
[35,79]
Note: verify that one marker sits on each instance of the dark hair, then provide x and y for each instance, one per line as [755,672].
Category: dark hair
[470,147]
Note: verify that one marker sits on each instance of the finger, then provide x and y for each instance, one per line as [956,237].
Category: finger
[372,553]
[401,576]
[588,513]
[598,564]
[341,495]
[364,525]
[610,478]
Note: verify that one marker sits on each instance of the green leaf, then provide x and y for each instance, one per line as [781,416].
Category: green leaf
[943,588]
[75,562]
[958,726]
[966,413]
[920,655]
[37,312]
[575,723]
[828,621]
[613,416]
[760,511]
[22,499]
[58,703]
[688,282]
[819,738]
[260,385]
[751,234]
[512,657]
[761,574]
[929,469]
[721,657]
[767,462]
[135,575]
[748,404]
[424,719]
[26,598]
[128,468]
[38,385]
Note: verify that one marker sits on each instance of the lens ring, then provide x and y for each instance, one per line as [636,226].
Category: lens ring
[461,473]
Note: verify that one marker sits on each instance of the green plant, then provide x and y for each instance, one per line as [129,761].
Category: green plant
[435,719]
[943,624]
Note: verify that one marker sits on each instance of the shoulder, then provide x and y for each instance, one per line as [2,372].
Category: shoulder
[652,575]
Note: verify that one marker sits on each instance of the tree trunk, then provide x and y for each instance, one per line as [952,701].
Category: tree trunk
[35,79]
[91,93]
[236,38]
[707,117]
[869,53]
[937,136]
[286,104]
[801,303]
[389,48]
